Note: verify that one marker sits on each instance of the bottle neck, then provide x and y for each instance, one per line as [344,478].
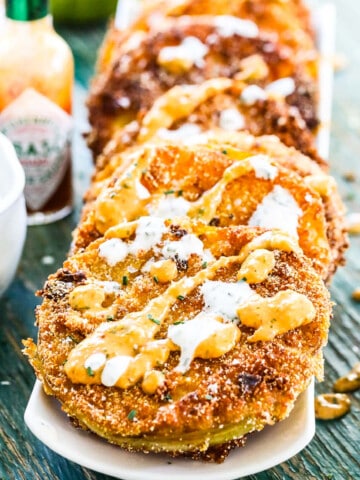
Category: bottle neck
[26,10]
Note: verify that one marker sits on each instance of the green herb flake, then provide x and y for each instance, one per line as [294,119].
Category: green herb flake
[168,397]
[156,280]
[225,152]
[169,192]
[179,193]
[209,397]
[155,320]
[132,415]
[90,372]
[125,185]
[181,298]
[125,280]
[204,265]
[178,323]
[201,211]
[109,318]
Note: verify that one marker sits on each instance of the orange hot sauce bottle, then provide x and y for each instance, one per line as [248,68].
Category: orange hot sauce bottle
[36,82]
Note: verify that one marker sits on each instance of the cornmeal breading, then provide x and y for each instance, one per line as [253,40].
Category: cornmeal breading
[303,166]
[187,110]
[288,21]
[201,409]
[194,170]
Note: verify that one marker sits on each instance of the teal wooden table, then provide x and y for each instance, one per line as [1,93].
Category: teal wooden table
[334,452]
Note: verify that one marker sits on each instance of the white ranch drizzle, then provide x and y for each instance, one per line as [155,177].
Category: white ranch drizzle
[228,25]
[113,251]
[148,233]
[95,361]
[231,120]
[183,248]
[277,210]
[262,167]
[190,334]
[141,191]
[221,298]
[191,49]
[252,94]
[169,207]
[114,368]
[182,133]
[283,87]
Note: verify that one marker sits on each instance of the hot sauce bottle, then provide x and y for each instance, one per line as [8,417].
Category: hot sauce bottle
[36,80]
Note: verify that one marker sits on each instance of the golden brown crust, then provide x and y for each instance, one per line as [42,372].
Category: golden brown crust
[195,169]
[271,116]
[135,80]
[289,21]
[303,166]
[256,383]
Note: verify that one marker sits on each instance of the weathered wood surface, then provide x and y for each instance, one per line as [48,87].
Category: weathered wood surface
[334,452]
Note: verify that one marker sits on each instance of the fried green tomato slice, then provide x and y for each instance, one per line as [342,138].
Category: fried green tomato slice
[232,105]
[190,50]
[217,183]
[184,360]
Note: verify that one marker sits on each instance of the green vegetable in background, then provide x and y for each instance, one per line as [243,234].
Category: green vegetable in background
[81,11]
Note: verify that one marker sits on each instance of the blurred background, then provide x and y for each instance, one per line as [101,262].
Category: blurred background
[77,12]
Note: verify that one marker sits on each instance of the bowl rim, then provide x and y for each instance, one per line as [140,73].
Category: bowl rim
[10,161]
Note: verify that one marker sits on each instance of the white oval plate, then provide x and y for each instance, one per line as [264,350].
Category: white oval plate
[263,450]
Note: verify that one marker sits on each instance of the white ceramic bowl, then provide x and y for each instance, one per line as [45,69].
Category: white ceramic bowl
[12,212]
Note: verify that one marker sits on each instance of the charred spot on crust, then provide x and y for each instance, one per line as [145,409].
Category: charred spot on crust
[248,382]
[177,231]
[275,382]
[182,265]
[74,277]
[56,290]
[113,181]
[215,222]
[217,453]
[59,288]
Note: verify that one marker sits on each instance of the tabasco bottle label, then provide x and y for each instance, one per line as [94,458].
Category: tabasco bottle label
[40,132]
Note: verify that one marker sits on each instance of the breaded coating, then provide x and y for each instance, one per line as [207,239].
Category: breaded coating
[188,50]
[201,410]
[303,166]
[166,169]
[289,22]
[187,110]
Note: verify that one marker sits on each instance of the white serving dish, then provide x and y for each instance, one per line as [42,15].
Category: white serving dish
[12,212]
[263,450]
